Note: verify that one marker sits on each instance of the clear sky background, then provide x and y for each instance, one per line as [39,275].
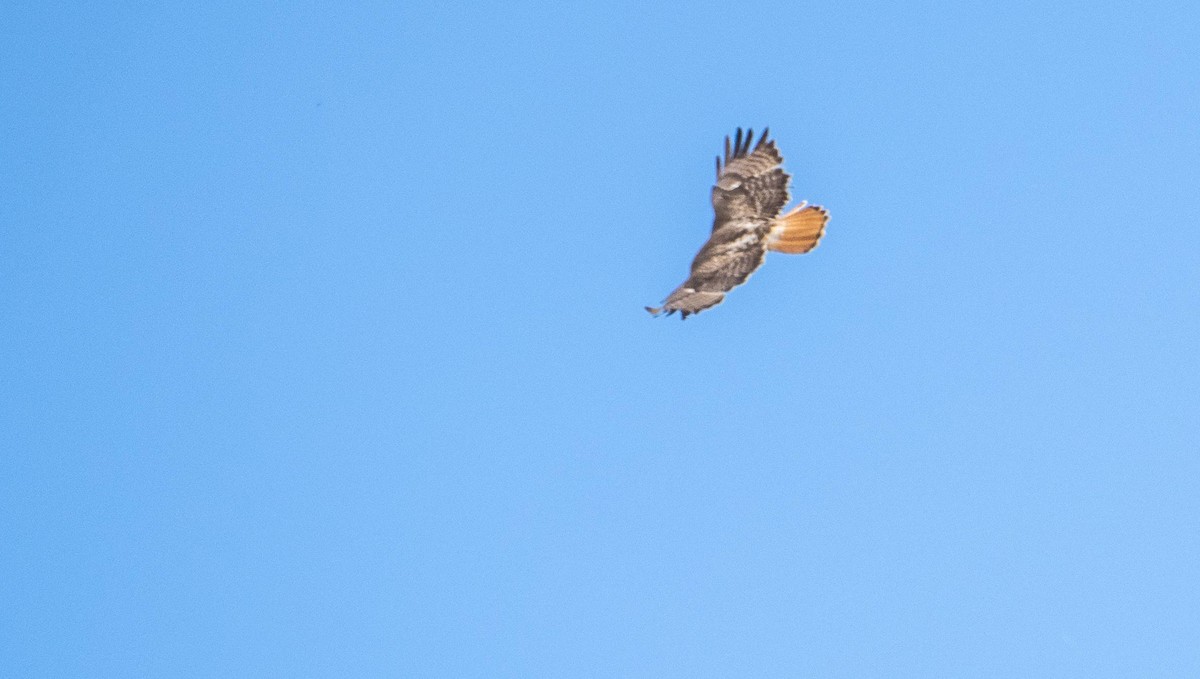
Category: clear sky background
[323,350]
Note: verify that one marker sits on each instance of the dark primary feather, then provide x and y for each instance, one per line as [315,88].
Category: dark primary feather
[738,149]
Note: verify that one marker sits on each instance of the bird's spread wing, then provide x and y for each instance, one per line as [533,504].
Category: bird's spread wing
[751,184]
[751,189]
[725,262]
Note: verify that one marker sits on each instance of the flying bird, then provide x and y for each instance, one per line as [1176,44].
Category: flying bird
[749,196]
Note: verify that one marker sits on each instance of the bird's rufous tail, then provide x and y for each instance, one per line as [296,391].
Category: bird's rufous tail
[799,231]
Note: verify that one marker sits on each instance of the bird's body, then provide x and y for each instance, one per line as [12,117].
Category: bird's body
[749,195]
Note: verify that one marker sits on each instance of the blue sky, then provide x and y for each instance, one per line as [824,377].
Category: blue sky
[324,351]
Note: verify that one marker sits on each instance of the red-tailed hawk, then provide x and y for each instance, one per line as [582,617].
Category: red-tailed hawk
[750,193]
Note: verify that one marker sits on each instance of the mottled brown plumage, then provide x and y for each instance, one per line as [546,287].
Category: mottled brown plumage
[750,192]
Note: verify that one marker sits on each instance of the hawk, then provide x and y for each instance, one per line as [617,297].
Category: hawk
[750,193]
